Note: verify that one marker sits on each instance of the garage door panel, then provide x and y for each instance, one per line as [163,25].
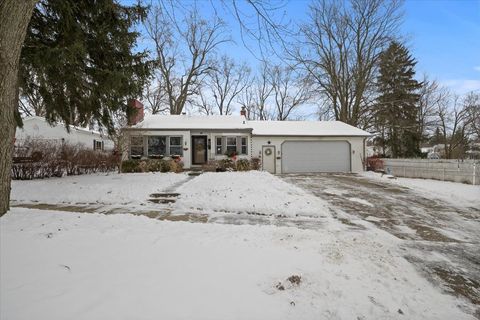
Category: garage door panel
[315,156]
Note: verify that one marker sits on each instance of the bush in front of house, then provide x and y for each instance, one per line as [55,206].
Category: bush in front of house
[129,166]
[38,159]
[255,164]
[243,165]
[152,165]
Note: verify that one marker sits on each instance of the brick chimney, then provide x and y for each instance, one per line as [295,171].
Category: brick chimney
[136,113]
[243,112]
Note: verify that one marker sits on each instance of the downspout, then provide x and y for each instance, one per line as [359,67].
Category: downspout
[364,154]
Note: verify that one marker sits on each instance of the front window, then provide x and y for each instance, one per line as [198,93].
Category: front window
[231,145]
[218,145]
[176,148]
[157,146]
[136,146]
[244,145]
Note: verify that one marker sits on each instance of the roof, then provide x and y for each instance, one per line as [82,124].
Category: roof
[266,128]
[305,128]
[72,127]
[192,122]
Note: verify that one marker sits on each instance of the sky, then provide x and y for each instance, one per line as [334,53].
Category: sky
[442,35]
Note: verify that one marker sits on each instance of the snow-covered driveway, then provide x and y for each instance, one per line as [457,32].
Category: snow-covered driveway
[438,223]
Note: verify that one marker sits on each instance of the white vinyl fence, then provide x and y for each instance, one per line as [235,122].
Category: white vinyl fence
[465,171]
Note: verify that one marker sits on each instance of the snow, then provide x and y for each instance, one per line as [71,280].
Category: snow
[462,195]
[187,122]
[61,265]
[58,265]
[111,188]
[305,128]
[361,201]
[273,128]
[247,192]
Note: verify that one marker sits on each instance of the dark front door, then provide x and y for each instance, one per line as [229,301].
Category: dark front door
[199,150]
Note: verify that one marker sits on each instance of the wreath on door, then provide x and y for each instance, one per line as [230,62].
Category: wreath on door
[268,152]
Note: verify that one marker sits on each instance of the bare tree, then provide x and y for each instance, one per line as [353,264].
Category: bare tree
[262,90]
[431,96]
[156,96]
[472,104]
[183,49]
[223,84]
[454,123]
[340,48]
[289,91]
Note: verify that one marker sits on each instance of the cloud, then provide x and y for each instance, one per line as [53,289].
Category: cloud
[462,86]
[477,68]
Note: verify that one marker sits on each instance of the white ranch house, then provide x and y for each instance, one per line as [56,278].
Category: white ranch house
[281,146]
[37,128]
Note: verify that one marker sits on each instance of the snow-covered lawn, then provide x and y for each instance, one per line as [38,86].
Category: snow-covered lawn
[459,194]
[57,265]
[247,192]
[111,188]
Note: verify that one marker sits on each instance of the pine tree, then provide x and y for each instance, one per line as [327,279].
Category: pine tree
[79,56]
[396,108]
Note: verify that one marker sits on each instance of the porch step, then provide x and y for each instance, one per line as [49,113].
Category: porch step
[162,200]
[195,173]
[165,195]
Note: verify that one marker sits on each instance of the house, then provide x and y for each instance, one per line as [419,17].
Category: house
[38,128]
[281,146]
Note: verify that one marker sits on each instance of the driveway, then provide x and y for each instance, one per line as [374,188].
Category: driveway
[441,240]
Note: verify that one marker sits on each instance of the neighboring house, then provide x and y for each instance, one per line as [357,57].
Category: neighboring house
[282,146]
[38,128]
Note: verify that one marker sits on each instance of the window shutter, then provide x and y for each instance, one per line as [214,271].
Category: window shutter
[94,141]
[103,145]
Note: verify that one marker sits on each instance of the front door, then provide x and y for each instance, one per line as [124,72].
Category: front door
[268,158]
[199,150]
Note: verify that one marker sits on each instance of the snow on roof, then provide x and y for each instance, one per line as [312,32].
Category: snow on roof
[305,128]
[192,122]
[72,127]
[271,128]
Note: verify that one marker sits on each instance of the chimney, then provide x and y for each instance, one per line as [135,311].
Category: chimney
[243,112]
[136,112]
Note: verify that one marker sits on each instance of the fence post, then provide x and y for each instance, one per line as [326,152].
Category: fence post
[474,172]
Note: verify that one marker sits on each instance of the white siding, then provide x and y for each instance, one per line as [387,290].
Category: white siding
[356,144]
[38,128]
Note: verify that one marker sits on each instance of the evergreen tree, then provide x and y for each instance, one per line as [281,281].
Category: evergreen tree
[79,57]
[397,105]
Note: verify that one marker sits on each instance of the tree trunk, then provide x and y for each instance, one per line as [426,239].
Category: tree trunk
[14,16]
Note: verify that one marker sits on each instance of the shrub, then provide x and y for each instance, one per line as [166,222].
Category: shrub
[243,165]
[176,166]
[165,165]
[130,166]
[38,159]
[226,165]
[255,164]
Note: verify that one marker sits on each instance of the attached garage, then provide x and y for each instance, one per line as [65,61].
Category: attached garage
[308,146]
[316,156]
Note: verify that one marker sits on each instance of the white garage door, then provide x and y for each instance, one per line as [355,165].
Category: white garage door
[315,156]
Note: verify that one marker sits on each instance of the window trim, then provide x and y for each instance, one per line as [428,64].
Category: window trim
[142,145]
[169,145]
